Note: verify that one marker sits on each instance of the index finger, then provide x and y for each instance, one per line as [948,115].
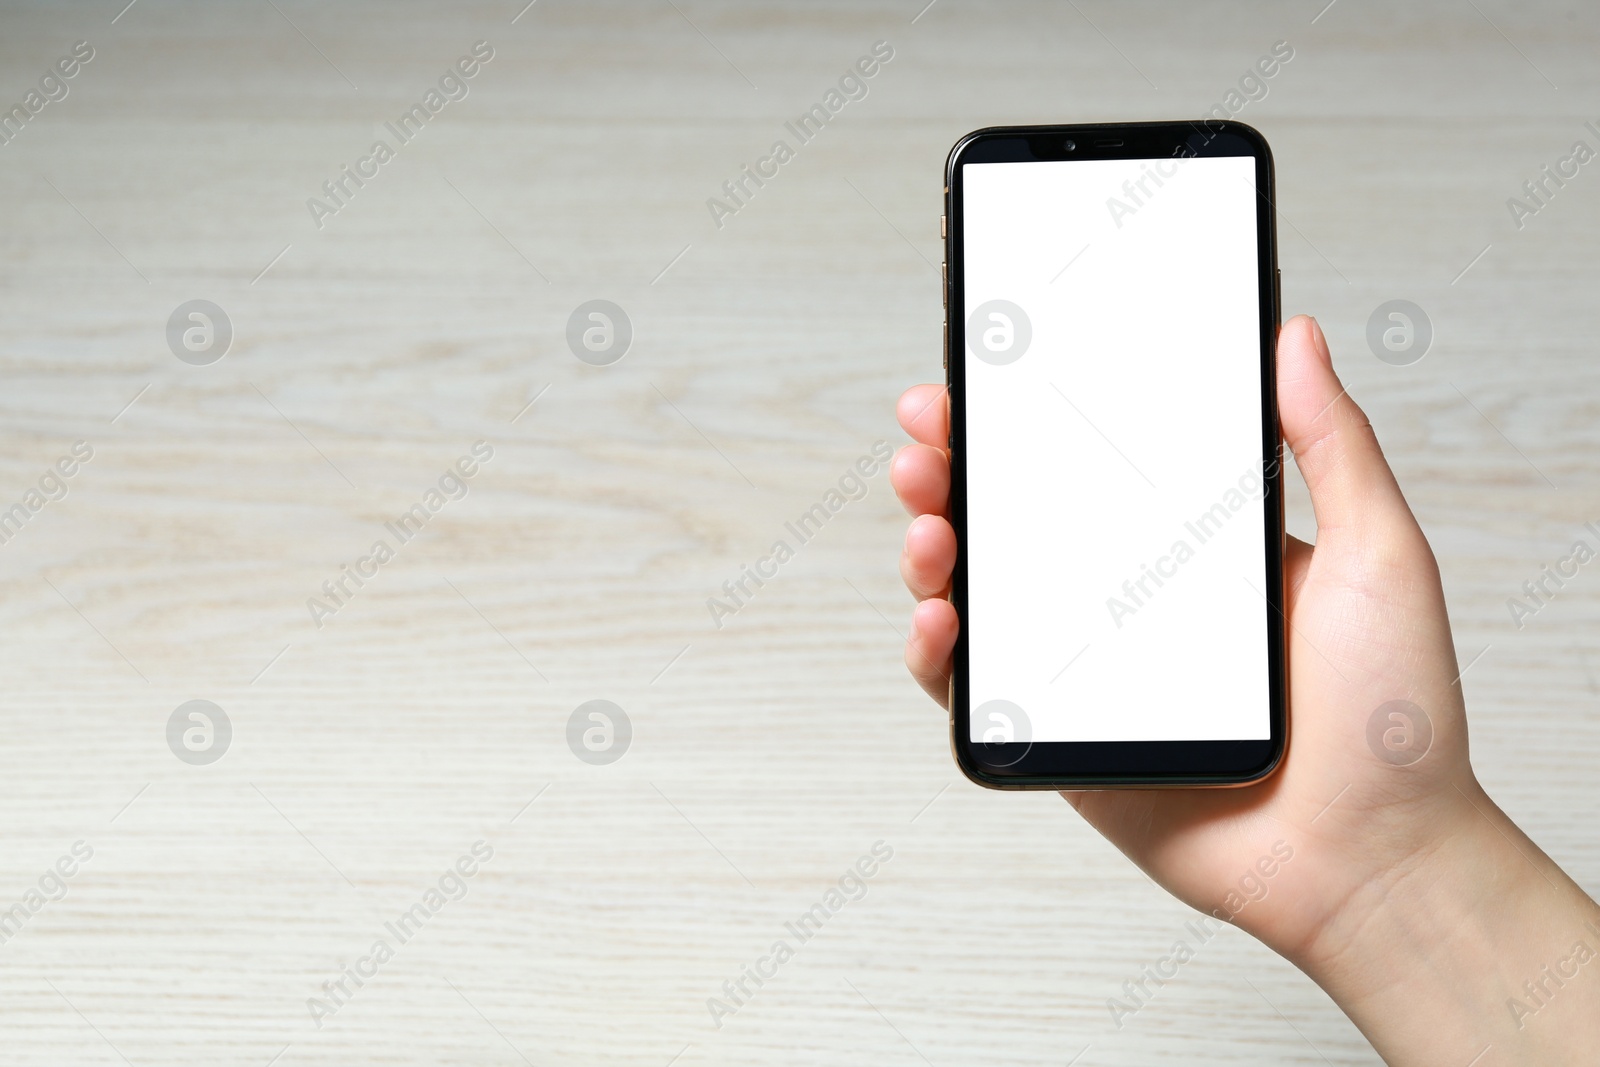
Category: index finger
[924,412]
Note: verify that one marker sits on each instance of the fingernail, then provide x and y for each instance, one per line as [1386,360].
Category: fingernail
[1321,340]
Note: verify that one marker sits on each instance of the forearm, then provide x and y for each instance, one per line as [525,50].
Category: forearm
[1483,944]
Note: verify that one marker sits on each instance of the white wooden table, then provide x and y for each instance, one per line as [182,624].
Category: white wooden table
[430,711]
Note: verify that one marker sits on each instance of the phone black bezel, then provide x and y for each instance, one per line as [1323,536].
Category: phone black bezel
[1101,764]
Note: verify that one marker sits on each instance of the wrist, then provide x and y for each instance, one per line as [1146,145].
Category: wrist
[1480,941]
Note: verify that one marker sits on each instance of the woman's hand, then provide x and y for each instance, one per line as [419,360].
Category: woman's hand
[1358,861]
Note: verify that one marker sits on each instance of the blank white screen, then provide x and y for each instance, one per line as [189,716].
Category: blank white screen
[1129,428]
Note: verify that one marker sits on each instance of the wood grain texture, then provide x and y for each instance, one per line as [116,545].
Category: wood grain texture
[770,753]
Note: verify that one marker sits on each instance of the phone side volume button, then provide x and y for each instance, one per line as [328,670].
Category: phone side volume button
[941,227]
[944,284]
[946,332]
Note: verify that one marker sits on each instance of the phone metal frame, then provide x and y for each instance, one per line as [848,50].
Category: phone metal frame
[1109,764]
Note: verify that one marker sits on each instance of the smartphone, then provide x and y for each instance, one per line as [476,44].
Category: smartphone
[1111,297]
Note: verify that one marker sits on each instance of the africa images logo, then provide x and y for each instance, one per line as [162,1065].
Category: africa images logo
[999,332]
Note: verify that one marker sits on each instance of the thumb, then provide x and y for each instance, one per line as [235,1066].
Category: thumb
[1353,491]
